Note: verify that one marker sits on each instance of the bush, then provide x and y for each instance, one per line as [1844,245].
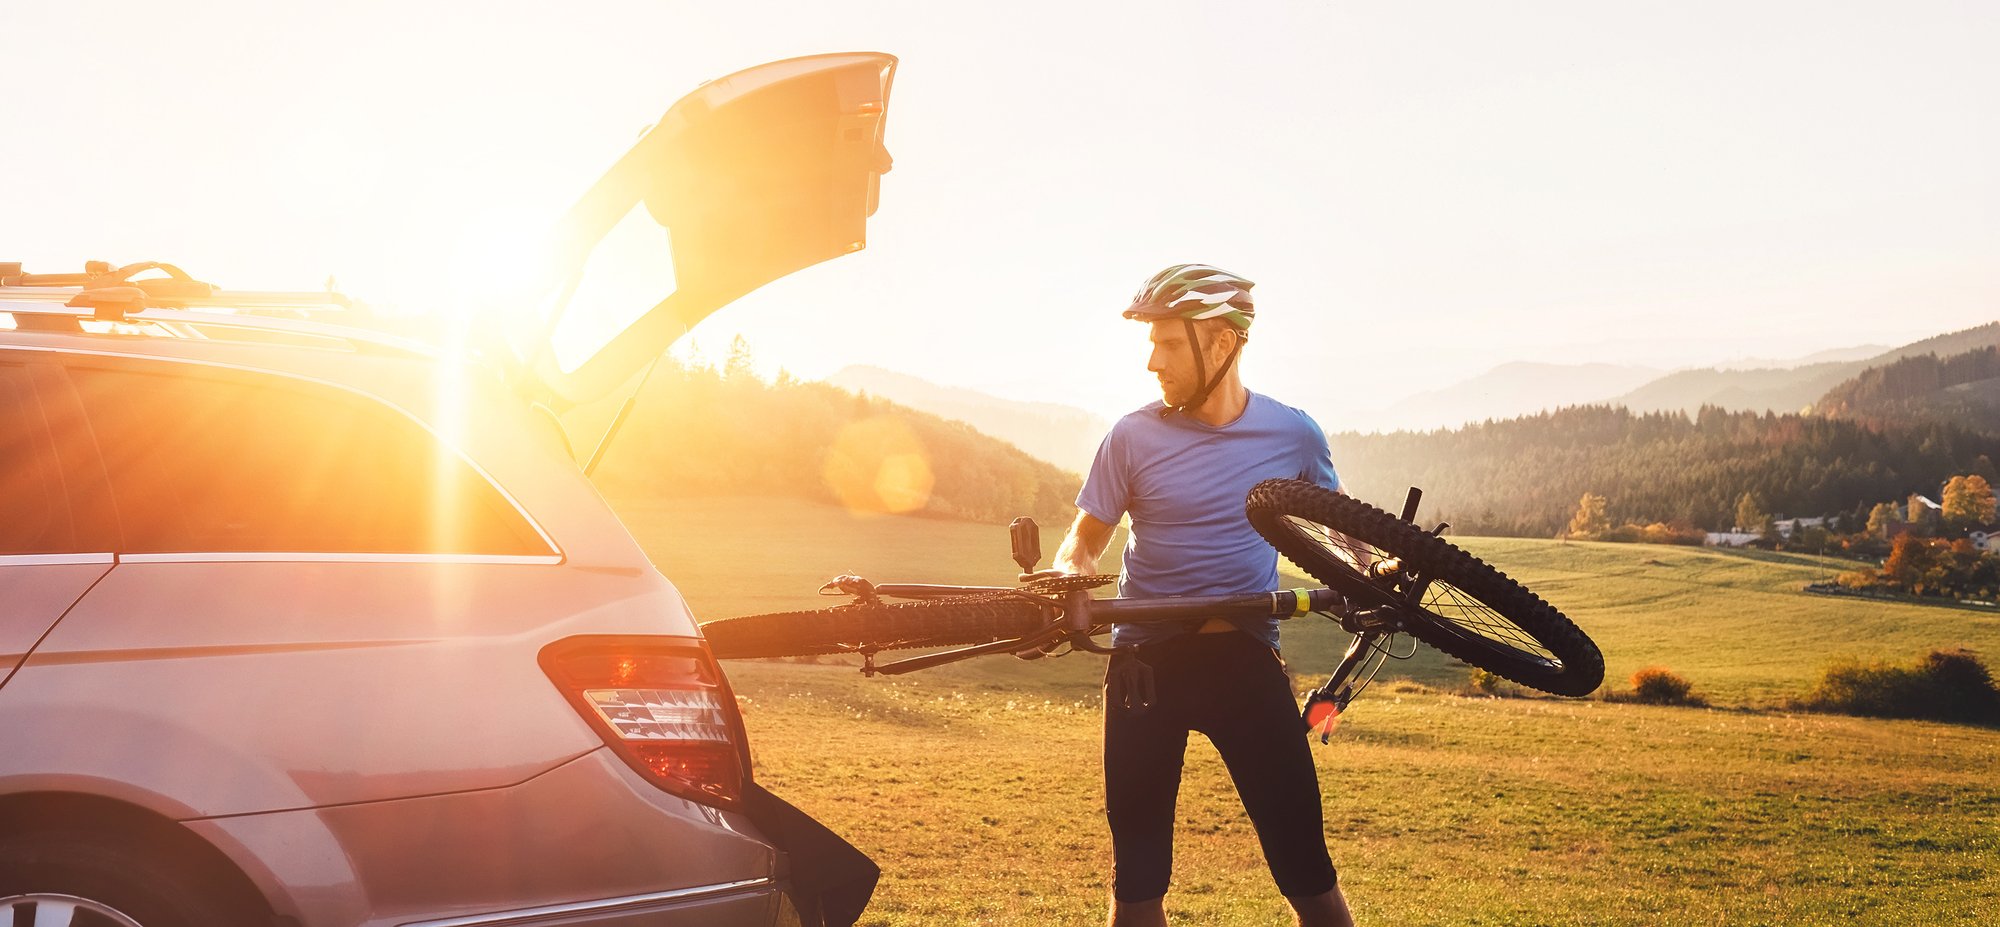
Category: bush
[1946,685]
[1484,681]
[1657,685]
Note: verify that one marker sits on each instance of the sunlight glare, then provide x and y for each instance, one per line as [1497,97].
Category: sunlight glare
[629,272]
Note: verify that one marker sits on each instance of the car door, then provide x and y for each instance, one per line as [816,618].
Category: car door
[55,535]
[749,178]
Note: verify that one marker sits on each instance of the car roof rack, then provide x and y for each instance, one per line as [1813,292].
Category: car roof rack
[179,305]
[177,290]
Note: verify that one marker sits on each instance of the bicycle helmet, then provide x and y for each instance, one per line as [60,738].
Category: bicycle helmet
[1191,292]
[1194,291]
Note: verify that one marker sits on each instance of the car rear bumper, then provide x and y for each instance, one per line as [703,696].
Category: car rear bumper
[586,842]
[758,902]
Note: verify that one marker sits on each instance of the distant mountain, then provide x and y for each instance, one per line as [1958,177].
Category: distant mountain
[1784,389]
[1514,389]
[1062,435]
[1860,352]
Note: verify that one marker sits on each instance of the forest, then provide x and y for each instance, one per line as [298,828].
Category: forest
[1523,476]
[698,430]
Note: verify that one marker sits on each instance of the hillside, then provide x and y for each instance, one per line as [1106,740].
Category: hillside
[1062,435]
[1524,476]
[1784,390]
[1959,388]
[1734,621]
[695,431]
[975,785]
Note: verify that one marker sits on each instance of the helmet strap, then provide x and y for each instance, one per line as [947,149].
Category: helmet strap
[1200,372]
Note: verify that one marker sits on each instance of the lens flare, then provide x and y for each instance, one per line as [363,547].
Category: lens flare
[878,466]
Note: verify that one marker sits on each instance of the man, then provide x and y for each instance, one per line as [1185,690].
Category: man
[1181,468]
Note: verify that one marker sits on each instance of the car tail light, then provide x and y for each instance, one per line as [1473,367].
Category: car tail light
[663,705]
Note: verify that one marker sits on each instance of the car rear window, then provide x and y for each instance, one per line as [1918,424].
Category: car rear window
[202,462]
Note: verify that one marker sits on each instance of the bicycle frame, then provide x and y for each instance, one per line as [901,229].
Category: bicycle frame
[1077,617]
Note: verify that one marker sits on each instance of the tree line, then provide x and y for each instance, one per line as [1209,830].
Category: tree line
[698,430]
[1523,476]
[1921,386]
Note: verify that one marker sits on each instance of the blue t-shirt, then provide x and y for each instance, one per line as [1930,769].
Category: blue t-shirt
[1184,483]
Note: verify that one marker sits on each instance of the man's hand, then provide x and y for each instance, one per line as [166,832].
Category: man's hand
[1080,549]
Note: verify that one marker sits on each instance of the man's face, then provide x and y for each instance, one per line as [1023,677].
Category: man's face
[1173,359]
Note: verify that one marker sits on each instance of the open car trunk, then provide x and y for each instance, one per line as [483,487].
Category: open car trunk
[749,178]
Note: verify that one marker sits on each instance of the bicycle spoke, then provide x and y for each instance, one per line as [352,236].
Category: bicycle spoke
[1460,608]
[1443,600]
[1353,552]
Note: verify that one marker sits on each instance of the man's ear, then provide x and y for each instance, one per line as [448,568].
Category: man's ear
[1223,340]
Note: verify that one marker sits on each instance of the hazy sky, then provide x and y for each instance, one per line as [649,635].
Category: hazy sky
[1421,190]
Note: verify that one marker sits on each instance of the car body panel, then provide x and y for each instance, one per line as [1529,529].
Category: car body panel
[35,591]
[348,682]
[590,829]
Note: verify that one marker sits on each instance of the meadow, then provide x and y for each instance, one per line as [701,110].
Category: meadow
[976,787]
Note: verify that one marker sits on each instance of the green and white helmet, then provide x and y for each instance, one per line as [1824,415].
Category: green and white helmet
[1192,292]
[1195,291]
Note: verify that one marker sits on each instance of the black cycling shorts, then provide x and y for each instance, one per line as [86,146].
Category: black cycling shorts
[1232,687]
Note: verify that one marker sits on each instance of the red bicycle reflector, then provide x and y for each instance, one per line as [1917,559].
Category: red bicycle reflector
[662,705]
[1322,717]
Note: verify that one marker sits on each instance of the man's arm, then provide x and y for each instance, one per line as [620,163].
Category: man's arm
[1084,544]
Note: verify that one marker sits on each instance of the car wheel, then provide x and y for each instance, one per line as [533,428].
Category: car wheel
[65,878]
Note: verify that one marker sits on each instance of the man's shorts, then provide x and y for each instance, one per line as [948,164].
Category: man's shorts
[1232,687]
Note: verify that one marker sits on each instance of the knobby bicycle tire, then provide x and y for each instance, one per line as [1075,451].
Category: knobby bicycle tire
[1457,620]
[877,625]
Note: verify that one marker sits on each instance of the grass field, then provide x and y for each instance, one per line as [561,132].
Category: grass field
[976,785]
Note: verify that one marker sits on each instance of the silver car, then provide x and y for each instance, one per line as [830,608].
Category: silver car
[304,624]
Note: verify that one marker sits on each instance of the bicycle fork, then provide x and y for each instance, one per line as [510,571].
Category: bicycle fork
[1325,704]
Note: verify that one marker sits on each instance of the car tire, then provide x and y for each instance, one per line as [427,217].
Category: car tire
[107,878]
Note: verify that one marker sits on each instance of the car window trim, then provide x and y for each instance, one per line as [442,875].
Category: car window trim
[225,556]
[56,559]
[554,550]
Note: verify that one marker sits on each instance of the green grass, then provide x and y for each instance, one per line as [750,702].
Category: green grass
[976,786]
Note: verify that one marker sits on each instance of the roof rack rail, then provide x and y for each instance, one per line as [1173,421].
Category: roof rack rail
[98,274]
[111,293]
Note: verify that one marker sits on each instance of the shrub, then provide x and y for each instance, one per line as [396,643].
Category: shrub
[1946,685]
[1484,680]
[1657,685]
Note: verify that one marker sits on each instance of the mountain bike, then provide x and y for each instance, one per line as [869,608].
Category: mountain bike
[1383,576]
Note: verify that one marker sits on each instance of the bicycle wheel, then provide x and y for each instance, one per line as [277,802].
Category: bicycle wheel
[880,625]
[1468,609]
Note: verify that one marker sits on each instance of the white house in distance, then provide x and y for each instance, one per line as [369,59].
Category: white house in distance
[1785,528]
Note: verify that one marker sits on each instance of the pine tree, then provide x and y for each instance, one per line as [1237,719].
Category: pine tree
[740,366]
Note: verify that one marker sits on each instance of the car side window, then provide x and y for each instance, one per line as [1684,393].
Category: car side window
[34,508]
[204,462]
